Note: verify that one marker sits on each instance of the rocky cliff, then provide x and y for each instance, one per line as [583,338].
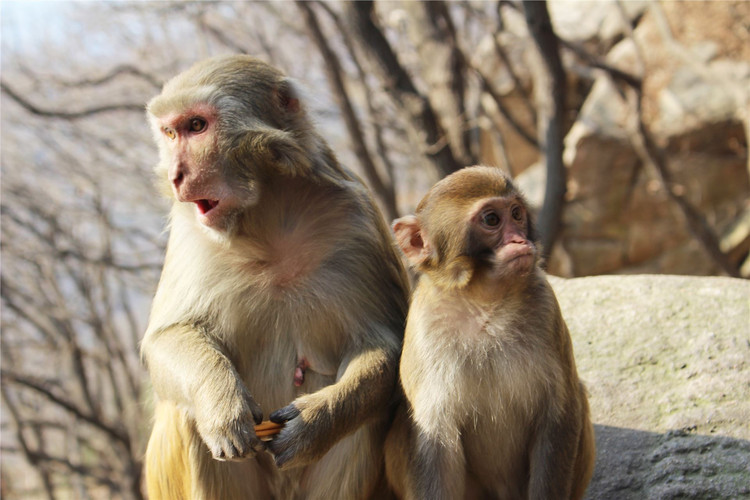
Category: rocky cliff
[692,62]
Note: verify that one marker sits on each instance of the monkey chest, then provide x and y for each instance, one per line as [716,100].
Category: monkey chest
[287,349]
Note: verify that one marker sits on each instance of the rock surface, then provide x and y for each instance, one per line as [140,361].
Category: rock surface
[693,60]
[666,360]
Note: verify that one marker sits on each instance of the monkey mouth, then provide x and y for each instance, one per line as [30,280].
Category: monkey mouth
[516,252]
[205,206]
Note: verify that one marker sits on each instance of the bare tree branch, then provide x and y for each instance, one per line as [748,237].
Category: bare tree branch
[115,433]
[397,80]
[113,74]
[375,121]
[653,157]
[434,36]
[341,95]
[220,35]
[551,123]
[594,62]
[504,111]
[68,115]
[26,450]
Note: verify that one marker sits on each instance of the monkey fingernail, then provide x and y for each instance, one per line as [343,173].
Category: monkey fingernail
[284,414]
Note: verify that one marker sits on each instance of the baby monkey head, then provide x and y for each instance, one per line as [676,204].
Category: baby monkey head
[472,225]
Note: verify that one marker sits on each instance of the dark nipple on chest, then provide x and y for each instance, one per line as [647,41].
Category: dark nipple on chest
[299,371]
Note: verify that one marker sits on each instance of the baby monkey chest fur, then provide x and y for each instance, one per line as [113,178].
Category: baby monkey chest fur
[468,348]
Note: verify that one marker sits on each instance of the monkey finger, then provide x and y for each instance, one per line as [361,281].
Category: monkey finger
[255,411]
[220,454]
[240,452]
[285,414]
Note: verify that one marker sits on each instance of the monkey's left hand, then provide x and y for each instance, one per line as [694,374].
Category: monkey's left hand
[306,435]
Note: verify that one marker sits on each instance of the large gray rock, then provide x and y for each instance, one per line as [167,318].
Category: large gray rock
[666,360]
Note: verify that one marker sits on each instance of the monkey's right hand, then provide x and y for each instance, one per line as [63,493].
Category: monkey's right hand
[226,423]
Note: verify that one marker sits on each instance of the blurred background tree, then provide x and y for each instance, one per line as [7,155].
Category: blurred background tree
[626,123]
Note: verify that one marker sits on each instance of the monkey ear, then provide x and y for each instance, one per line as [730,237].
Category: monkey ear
[408,233]
[287,95]
[288,155]
[274,148]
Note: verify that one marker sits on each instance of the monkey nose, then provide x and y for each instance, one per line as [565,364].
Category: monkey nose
[176,176]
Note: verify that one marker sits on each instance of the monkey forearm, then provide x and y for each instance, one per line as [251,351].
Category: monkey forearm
[370,377]
[364,388]
[172,356]
[315,422]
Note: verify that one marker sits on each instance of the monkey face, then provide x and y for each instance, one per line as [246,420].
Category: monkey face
[499,236]
[472,224]
[194,171]
[224,128]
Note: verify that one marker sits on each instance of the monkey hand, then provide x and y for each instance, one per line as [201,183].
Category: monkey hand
[227,425]
[306,436]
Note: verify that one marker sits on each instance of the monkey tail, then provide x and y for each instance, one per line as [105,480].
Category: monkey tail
[168,472]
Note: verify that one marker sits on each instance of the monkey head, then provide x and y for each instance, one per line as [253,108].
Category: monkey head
[474,223]
[222,126]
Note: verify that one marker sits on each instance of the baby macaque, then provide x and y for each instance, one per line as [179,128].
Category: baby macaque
[493,405]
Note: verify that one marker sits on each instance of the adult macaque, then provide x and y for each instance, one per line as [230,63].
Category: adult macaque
[281,292]
[494,407]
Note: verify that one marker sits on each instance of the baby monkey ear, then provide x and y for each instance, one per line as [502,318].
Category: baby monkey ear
[287,97]
[408,233]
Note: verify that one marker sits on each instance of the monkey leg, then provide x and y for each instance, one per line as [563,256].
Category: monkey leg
[438,466]
[398,446]
[180,467]
[352,468]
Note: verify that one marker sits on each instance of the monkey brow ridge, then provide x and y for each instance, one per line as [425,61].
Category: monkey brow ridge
[163,104]
[473,184]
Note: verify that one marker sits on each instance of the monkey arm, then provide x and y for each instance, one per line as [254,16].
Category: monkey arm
[167,352]
[554,452]
[188,369]
[365,385]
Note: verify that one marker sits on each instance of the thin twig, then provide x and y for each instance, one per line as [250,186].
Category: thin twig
[68,115]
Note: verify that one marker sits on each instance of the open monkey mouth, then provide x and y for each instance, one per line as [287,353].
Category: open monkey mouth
[205,206]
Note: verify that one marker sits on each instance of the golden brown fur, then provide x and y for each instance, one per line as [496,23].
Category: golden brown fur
[277,258]
[494,407]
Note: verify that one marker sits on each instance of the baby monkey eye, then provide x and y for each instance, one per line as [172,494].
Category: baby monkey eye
[517,213]
[197,124]
[490,219]
[169,133]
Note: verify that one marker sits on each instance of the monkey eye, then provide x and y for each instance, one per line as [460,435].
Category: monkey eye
[517,213]
[490,219]
[169,133]
[197,124]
